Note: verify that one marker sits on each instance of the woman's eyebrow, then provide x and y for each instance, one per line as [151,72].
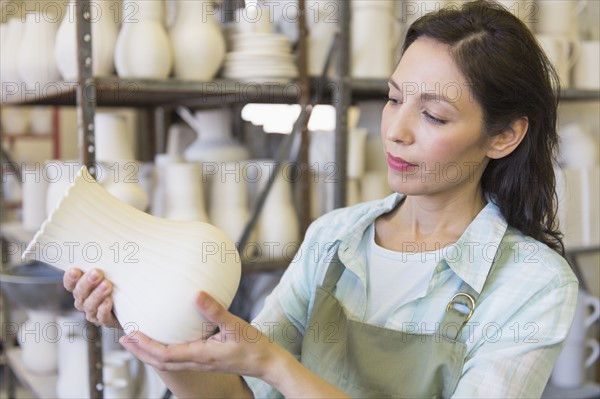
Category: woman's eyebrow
[438,98]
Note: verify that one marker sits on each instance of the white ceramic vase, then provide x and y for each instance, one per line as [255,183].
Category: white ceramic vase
[143,49]
[157,265]
[278,224]
[34,197]
[35,58]
[39,337]
[111,138]
[197,40]
[229,203]
[120,178]
[104,37]
[60,175]
[185,192]
[73,367]
[9,71]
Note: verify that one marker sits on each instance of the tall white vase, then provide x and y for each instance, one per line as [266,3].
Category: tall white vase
[104,37]
[35,58]
[111,138]
[157,265]
[197,40]
[184,192]
[39,337]
[143,48]
[9,71]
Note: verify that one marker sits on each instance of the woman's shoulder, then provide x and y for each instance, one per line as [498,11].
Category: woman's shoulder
[525,254]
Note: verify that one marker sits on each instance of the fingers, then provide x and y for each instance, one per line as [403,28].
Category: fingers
[70,279]
[90,292]
[213,310]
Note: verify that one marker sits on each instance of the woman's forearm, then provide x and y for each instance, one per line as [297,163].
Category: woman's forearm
[293,379]
[194,384]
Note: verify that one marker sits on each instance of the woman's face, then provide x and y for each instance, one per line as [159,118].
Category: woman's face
[432,128]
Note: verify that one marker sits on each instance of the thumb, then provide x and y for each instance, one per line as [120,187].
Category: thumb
[212,309]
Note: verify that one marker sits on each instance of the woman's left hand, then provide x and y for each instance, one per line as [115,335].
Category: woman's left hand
[237,348]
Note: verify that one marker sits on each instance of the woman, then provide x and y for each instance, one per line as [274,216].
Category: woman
[456,287]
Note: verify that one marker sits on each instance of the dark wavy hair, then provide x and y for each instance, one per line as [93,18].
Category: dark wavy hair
[510,77]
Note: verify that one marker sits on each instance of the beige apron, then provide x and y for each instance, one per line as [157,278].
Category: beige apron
[368,361]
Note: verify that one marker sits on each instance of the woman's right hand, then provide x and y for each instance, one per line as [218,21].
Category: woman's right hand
[92,293]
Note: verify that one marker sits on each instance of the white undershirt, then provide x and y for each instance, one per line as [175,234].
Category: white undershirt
[395,278]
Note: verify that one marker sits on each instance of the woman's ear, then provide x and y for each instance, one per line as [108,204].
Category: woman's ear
[504,143]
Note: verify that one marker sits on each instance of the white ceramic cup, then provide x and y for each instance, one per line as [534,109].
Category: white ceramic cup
[570,368]
[585,71]
[586,313]
[558,17]
[562,53]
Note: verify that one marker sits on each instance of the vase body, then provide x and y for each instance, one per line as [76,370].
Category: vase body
[104,37]
[157,265]
[111,138]
[35,58]
[9,72]
[184,192]
[197,40]
[143,49]
[39,337]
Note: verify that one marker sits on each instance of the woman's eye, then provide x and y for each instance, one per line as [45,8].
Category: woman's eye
[433,119]
[393,100]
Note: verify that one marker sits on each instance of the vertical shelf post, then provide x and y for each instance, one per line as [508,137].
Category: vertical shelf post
[86,108]
[305,187]
[341,99]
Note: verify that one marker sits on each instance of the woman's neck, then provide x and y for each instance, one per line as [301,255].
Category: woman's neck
[428,221]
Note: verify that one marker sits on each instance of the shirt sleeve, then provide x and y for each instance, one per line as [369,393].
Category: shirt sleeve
[516,358]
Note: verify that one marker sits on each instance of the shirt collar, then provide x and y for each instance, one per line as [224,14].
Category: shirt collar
[470,258]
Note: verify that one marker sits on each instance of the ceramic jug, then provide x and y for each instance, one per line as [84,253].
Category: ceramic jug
[157,265]
[197,40]
[104,37]
[35,57]
[143,48]
[111,138]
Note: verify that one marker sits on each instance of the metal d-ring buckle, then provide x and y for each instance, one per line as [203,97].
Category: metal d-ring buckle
[471,309]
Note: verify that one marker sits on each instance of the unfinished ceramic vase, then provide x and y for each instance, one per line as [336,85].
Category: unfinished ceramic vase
[157,265]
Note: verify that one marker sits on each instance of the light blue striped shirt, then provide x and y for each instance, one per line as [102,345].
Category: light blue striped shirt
[515,334]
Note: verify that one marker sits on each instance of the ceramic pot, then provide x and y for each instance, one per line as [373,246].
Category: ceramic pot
[60,175]
[9,71]
[158,205]
[585,72]
[73,374]
[185,192]
[35,58]
[278,225]
[14,120]
[143,49]
[197,41]
[120,178]
[558,17]
[104,37]
[157,265]
[42,120]
[229,198]
[39,337]
[34,197]
[374,33]
[111,138]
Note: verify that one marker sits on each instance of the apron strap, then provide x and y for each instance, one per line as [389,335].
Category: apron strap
[334,272]
[458,312]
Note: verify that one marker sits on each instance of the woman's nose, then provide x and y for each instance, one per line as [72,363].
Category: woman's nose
[400,126]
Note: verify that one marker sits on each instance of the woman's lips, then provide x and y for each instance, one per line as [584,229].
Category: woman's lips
[400,164]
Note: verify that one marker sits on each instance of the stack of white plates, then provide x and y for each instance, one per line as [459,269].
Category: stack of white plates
[261,58]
